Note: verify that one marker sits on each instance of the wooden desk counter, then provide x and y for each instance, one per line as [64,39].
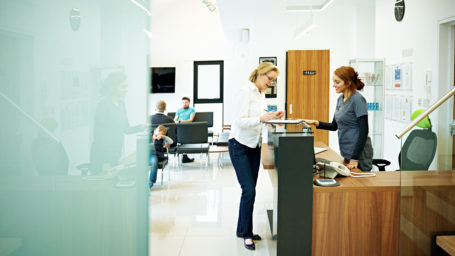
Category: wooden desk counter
[359,217]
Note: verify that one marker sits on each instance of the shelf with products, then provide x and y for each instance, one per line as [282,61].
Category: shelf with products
[371,72]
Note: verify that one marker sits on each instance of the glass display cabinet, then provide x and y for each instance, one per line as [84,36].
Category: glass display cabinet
[371,72]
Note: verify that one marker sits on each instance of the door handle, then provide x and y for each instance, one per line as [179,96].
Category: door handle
[290,109]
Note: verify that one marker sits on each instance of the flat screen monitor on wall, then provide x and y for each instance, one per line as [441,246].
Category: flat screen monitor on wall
[163,79]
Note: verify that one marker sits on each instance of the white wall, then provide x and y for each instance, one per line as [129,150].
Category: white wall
[418,31]
[185,31]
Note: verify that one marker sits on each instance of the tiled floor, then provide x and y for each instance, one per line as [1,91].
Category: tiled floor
[194,213]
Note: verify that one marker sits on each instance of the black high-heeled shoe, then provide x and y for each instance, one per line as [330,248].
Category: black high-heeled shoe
[255,237]
[249,246]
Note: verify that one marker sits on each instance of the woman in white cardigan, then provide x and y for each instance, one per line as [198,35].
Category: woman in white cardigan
[245,143]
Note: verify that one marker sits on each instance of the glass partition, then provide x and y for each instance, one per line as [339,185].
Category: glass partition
[73,90]
[427,186]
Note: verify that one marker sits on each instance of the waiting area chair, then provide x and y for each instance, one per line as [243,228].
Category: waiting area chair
[418,150]
[201,117]
[171,114]
[205,117]
[192,138]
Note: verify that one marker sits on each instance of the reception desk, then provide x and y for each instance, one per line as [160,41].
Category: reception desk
[359,217]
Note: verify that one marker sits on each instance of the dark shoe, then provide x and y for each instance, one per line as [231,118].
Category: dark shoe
[186,159]
[248,246]
[255,237]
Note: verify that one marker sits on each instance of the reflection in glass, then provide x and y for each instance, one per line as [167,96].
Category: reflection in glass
[110,124]
[55,57]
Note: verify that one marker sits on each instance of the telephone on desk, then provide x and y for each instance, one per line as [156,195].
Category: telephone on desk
[330,170]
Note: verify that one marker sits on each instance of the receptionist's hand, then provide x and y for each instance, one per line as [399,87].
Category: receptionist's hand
[353,164]
[311,122]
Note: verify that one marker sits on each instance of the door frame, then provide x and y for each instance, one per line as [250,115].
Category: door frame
[445,82]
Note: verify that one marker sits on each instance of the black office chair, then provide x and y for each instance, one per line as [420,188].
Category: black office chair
[192,138]
[418,150]
[49,157]
[205,117]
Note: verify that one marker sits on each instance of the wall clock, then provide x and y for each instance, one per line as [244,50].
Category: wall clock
[399,10]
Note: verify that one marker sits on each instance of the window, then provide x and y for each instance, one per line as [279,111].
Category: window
[208,81]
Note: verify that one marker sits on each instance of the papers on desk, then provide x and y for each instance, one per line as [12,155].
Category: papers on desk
[281,121]
[319,150]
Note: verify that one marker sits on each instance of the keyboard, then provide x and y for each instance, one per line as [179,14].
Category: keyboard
[322,161]
[319,150]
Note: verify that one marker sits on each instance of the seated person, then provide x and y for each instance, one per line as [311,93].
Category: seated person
[185,114]
[159,144]
[159,117]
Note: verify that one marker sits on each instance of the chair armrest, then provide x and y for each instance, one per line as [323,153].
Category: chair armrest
[381,163]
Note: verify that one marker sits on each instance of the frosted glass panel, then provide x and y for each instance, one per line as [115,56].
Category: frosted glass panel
[73,144]
[209,81]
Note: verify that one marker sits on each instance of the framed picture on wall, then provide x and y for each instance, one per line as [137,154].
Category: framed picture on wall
[271,91]
[268,59]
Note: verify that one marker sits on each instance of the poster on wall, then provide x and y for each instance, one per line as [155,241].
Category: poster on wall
[396,107]
[271,92]
[405,108]
[397,77]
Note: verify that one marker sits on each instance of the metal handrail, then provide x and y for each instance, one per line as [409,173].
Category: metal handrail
[46,131]
[425,113]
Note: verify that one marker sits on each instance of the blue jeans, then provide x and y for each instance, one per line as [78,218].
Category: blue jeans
[153,170]
[246,163]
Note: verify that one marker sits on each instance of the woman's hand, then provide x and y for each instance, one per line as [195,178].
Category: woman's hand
[279,114]
[353,164]
[268,116]
[311,122]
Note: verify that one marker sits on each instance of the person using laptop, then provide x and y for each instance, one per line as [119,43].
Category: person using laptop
[245,143]
[351,120]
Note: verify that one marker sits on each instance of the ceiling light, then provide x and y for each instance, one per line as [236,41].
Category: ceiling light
[142,7]
[309,8]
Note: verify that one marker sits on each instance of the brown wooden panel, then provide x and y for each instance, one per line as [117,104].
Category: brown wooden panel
[309,94]
[355,223]
[447,243]
[427,207]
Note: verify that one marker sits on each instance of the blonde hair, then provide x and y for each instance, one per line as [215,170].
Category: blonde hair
[263,68]
[161,129]
[161,106]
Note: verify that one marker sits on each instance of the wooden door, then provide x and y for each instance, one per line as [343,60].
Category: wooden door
[308,85]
